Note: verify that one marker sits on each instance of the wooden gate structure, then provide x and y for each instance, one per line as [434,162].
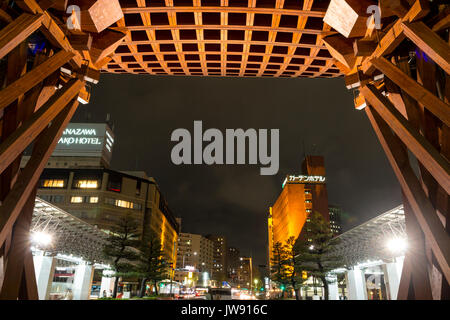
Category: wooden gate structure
[394,54]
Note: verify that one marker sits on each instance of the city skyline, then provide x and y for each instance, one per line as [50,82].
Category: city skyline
[206,197]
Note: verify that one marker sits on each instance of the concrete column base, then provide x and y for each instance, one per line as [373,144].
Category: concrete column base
[82,282]
[44,269]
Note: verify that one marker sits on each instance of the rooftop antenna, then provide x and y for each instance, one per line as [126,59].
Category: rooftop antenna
[303,153]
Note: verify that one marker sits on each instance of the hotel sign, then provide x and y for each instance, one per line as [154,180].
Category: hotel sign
[303,179]
[86,140]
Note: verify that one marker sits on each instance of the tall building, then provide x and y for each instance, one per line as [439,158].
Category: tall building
[219,272]
[194,255]
[335,219]
[82,145]
[233,255]
[78,179]
[300,195]
[244,279]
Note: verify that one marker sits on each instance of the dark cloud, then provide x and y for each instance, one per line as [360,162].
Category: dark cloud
[234,200]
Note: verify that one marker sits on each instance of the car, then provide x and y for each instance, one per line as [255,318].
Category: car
[220,293]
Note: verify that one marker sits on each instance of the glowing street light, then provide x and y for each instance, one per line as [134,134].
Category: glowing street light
[397,245]
[41,238]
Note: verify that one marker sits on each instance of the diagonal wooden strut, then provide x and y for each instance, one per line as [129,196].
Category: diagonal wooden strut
[437,165]
[20,247]
[22,137]
[32,78]
[27,180]
[424,212]
[438,107]
[17,31]
[433,45]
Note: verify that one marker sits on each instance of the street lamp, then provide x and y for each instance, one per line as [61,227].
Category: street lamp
[41,238]
[397,245]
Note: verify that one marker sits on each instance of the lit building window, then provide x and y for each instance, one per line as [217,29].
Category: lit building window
[76,200]
[124,204]
[93,200]
[53,183]
[87,184]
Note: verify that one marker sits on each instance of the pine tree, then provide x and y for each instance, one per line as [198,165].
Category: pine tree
[278,271]
[152,264]
[292,267]
[316,250]
[123,237]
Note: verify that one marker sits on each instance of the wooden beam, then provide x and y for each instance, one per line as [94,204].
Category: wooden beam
[81,41]
[17,31]
[416,251]
[29,279]
[14,202]
[435,163]
[393,7]
[30,6]
[435,105]
[424,212]
[59,5]
[356,80]
[97,15]
[444,23]
[363,48]
[106,43]
[405,280]
[32,78]
[14,145]
[20,245]
[394,35]
[59,39]
[341,49]
[430,43]
[51,29]
[5,16]
[348,17]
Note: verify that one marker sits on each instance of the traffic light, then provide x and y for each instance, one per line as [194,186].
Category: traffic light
[304,275]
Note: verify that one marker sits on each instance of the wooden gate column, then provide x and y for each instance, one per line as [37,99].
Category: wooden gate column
[397,62]
[46,65]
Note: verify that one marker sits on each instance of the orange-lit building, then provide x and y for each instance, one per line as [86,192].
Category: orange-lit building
[300,195]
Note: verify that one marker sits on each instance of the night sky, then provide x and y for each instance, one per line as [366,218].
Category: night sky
[233,200]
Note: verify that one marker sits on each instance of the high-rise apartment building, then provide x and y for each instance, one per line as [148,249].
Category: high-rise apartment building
[335,219]
[219,272]
[233,256]
[194,255]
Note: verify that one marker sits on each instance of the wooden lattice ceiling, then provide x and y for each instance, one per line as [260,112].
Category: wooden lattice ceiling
[272,38]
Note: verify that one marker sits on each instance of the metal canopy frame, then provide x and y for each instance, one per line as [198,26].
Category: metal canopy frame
[367,241]
[70,235]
